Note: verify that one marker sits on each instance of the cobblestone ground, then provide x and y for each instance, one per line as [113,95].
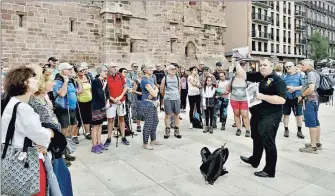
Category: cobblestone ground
[173,169]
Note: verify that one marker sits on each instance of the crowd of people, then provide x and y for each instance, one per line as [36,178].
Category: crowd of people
[56,100]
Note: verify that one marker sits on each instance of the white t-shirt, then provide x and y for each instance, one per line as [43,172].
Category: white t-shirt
[192,90]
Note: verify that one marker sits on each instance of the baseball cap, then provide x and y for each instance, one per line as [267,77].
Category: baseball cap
[206,68]
[81,67]
[169,67]
[63,66]
[52,59]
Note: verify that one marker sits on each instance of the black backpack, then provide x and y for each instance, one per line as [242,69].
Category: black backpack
[212,166]
[325,90]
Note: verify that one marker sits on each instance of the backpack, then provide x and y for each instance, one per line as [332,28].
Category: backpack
[325,90]
[212,166]
[197,121]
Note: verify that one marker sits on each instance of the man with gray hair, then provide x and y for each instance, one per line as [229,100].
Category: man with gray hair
[310,100]
[294,83]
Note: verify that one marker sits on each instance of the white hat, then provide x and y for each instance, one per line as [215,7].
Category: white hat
[63,66]
[170,67]
[84,65]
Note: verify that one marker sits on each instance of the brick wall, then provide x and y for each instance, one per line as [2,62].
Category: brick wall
[154,32]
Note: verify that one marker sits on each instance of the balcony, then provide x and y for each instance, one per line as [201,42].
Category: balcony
[264,4]
[261,35]
[300,28]
[332,43]
[299,14]
[260,18]
[300,2]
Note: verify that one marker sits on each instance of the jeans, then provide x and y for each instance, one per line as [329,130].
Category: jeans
[209,113]
[183,96]
[221,108]
[194,101]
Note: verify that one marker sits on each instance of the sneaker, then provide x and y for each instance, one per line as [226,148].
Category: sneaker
[247,133]
[177,133]
[102,147]
[309,149]
[318,145]
[96,149]
[300,135]
[206,129]
[191,126]
[210,130]
[87,136]
[223,127]
[108,142]
[286,133]
[138,128]
[167,133]
[234,125]
[125,141]
[68,163]
[238,132]
[70,157]
[214,126]
[75,140]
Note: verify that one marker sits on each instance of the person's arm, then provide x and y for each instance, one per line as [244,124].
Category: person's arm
[98,89]
[311,79]
[179,87]
[61,87]
[152,92]
[278,99]
[191,80]
[162,86]
[240,71]
[124,86]
[30,126]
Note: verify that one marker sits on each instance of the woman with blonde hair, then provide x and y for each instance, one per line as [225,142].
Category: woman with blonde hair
[42,105]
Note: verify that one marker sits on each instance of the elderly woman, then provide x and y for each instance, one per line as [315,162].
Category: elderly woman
[41,104]
[149,107]
[100,102]
[266,116]
[20,84]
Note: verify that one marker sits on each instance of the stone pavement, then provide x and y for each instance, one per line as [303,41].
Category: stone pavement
[173,169]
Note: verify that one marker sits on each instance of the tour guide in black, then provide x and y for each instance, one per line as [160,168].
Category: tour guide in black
[266,116]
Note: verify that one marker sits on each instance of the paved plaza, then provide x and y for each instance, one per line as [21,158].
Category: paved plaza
[173,169]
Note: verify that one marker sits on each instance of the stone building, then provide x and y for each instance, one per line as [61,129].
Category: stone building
[184,32]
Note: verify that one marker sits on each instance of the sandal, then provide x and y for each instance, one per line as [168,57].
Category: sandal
[148,147]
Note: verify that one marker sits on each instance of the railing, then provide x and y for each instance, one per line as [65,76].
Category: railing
[262,17]
[299,13]
[260,34]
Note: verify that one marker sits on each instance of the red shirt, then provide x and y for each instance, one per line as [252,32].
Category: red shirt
[115,85]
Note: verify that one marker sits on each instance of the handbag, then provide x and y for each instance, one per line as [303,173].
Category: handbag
[20,167]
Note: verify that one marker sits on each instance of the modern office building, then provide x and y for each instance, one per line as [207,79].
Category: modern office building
[277,29]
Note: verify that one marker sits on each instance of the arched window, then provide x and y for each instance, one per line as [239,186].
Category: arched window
[190,50]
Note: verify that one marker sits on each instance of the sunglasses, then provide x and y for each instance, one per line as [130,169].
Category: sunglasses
[288,67]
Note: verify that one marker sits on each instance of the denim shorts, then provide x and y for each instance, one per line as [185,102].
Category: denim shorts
[311,114]
[292,105]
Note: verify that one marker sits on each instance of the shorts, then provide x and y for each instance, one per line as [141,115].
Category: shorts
[172,106]
[311,114]
[119,109]
[292,105]
[64,119]
[239,105]
[85,112]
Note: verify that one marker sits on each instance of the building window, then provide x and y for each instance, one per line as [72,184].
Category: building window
[72,25]
[289,49]
[190,50]
[284,7]
[289,8]
[284,36]
[277,6]
[284,48]
[295,50]
[289,22]
[253,10]
[259,46]
[21,20]
[289,36]
[265,47]
[272,48]
[277,48]
[272,18]
[118,22]
[284,20]
[133,46]
[253,46]
[173,45]
[272,33]
[277,35]
[277,19]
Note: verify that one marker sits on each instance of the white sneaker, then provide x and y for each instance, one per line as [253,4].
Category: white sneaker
[191,126]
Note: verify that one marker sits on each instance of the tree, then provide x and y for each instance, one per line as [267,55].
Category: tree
[319,46]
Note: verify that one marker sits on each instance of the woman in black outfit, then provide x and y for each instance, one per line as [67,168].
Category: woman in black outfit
[100,103]
[183,93]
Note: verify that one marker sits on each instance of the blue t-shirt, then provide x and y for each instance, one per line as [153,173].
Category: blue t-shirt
[293,80]
[145,92]
[70,99]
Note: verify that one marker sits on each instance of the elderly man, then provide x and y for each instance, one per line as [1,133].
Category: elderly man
[310,100]
[132,77]
[170,88]
[293,82]
[117,90]
[266,116]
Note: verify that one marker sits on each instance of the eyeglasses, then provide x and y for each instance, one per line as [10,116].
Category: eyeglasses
[288,67]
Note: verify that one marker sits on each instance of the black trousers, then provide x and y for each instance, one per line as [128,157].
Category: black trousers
[194,101]
[183,96]
[263,133]
[209,116]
